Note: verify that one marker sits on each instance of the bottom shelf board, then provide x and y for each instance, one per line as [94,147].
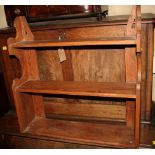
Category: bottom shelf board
[100,134]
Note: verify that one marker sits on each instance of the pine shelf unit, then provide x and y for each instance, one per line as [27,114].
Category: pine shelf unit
[28,90]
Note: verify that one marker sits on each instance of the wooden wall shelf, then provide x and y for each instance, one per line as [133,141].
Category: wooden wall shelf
[28,90]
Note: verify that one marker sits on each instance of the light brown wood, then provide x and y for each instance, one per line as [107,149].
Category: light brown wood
[12,138]
[130,62]
[25,102]
[139,72]
[118,90]
[89,110]
[29,87]
[90,64]
[48,31]
[130,40]
[38,106]
[49,65]
[67,74]
[83,132]
[137,31]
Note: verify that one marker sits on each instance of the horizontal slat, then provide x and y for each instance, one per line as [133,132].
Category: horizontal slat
[83,132]
[98,89]
[52,43]
[83,111]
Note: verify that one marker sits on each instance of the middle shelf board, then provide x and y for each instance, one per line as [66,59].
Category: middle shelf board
[78,88]
[127,40]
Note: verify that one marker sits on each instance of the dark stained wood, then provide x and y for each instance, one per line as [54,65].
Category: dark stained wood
[35,13]
[20,142]
[118,90]
[147,135]
[46,10]
[10,137]
[4,101]
[13,11]
[149,71]
[7,69]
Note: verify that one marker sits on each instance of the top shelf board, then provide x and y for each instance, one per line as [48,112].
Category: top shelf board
[128,40]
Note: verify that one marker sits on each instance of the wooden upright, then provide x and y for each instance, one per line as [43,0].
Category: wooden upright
[29,90]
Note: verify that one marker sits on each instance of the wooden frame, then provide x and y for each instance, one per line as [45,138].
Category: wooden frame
[29,88]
